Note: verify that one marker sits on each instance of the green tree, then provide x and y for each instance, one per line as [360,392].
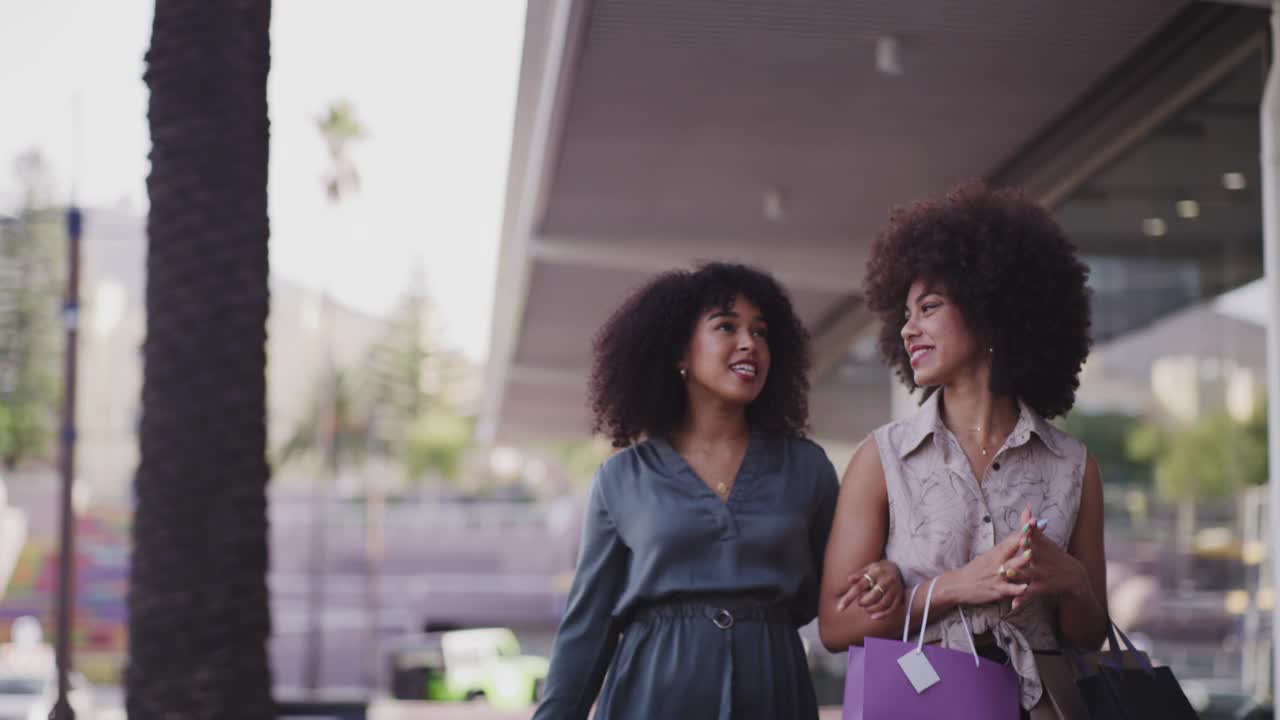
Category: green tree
[1106,435]
[32,275]
[437,441]
[390,397]
[391,375]
[1214,457]
[376,408]
[580,458]
[376,402]
[339,127]
[6,436]
[343,444]
[197,601]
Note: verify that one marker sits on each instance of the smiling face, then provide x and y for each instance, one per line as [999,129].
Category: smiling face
[936,336]
[728,353]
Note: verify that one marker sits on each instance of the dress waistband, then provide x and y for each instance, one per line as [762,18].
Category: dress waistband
[722,610]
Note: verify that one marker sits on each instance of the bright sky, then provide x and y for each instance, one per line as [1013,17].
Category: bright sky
[433,82]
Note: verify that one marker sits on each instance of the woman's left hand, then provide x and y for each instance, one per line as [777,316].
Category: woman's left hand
[876,588]
[1046,568]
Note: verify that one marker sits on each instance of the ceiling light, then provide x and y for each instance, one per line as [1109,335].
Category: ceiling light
[1188,209]
[888,56]
[1154,227]
[775,206]
[1234,181]
[1236,602]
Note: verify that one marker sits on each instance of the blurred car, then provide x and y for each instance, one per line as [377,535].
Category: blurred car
[30,695]
[467,665]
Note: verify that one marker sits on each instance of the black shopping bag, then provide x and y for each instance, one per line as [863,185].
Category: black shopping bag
[1126,686]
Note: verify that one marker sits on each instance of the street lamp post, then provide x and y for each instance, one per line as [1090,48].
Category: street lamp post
[62,709]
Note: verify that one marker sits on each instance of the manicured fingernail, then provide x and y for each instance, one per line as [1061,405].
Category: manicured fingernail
[1026,527]
[840,605]
[1042,523]
[1027,552]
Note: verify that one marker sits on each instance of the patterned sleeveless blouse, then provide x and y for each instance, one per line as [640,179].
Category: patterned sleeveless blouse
[941,517]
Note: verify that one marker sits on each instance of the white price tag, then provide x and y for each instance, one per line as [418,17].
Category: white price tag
[918,670]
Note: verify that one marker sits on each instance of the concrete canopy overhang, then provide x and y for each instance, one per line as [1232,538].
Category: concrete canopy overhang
[651,135]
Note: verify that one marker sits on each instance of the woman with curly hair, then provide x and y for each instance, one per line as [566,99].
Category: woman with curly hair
[984,307]
[704,536]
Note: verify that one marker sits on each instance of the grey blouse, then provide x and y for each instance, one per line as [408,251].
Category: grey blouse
[654,530]
[941,517]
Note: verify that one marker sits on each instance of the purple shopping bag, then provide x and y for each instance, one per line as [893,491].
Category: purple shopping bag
[854,683]
[968,687]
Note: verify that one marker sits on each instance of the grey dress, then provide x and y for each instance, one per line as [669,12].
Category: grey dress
[654,534]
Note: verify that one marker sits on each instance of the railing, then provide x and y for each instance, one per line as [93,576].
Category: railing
[557,515]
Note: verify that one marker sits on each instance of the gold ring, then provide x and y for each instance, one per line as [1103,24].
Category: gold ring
[1002,571]
[870,580]
[877,587]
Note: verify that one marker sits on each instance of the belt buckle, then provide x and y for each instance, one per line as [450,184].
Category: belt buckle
[722,619]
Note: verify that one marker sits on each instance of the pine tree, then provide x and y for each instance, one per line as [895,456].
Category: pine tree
[32,268]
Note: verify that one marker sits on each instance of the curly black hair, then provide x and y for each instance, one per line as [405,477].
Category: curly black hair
[635,391]
[1014,275]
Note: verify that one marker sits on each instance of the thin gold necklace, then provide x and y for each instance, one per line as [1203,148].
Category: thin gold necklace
[982,441]
[722,488]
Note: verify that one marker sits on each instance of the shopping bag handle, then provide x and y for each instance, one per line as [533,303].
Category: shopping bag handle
[1113,658]
[924,621]
[906,625]
[968,633]
[1112,631]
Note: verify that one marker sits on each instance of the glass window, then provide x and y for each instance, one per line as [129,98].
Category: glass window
[1172,399]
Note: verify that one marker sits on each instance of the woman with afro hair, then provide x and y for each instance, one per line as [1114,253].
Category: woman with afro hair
[983,308]
[704,535]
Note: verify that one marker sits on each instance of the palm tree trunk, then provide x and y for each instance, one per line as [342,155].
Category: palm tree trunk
[198,608]
[318,568]
[375,507]
[326,442]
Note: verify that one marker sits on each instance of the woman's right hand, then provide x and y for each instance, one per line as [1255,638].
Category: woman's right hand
[982,581]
